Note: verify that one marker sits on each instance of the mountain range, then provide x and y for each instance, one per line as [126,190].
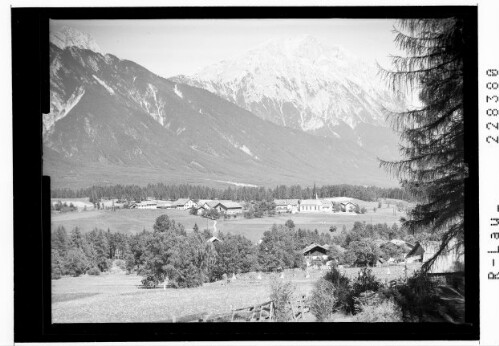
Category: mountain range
[304,84]
[113,121]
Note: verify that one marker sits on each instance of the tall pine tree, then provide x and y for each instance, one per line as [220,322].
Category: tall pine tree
[433,167]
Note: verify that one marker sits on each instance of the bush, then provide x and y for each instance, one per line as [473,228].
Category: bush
[342,289]
[104,264]
[362,288]
[417,297]
[366,281]
[420,299]
[130,263]
[386,311]
[281,293]
[120,264]
[150,281]
[323,301]
[93,271]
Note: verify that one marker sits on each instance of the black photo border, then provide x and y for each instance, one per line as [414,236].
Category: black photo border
[32,280]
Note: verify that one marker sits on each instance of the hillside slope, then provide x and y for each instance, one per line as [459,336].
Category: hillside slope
[113,121]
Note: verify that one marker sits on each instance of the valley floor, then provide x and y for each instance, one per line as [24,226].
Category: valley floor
[117,297]
[135,220]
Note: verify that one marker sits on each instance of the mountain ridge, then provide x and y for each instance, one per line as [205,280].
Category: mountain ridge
[113,121]
[304,84]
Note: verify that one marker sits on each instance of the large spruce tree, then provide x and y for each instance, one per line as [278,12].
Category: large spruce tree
[433,167]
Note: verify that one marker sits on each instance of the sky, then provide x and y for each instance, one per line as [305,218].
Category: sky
[173,47]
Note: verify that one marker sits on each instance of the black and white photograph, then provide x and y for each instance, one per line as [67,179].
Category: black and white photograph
[260,170]
[315,169]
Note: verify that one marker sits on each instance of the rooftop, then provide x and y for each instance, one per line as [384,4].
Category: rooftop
[230,204]
[311,202]
[314,245]
[286,201]
[181,201]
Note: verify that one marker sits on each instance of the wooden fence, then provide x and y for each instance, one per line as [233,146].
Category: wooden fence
[264,312]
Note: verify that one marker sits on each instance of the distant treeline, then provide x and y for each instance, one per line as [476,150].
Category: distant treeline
[170,192]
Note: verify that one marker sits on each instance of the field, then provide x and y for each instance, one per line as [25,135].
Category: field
[133,220]
[117,297]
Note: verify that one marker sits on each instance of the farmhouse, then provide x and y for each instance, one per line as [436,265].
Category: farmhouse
[210,204]
[315,254]
[200,203]
[183,203]
[202,206]
[145,205]
[165,204]
[326,206]
[348,207]
[286,205]
[229,207]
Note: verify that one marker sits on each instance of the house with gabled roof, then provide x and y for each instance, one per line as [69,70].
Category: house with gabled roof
[229,207]
[315,254]
[184,203]
[348,207]
[286,205]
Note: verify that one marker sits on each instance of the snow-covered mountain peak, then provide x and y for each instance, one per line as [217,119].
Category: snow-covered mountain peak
[306,47]
[70,37]
[302,83]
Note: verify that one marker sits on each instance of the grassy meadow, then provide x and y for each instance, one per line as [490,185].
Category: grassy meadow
[134,220]
[117,297]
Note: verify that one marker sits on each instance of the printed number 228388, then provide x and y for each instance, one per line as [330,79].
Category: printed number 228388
[492,112]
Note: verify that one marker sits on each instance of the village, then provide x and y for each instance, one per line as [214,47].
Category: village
[316,256]
[236,219]
[295,241]
[224,207]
